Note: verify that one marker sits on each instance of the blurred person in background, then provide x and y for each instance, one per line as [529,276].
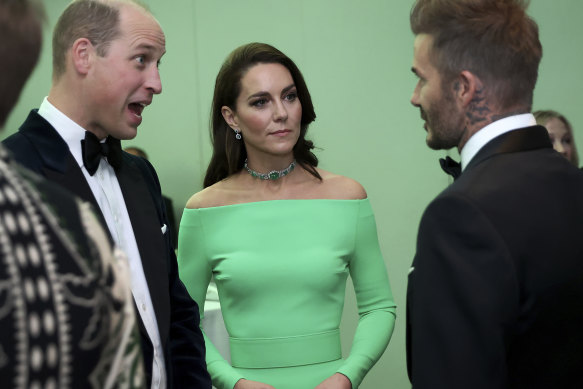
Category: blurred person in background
[560,132]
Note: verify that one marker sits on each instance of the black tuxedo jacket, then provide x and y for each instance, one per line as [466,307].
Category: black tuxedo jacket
[495,293]
[39,147]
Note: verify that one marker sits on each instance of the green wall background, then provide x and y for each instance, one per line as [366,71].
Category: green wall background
[356,58]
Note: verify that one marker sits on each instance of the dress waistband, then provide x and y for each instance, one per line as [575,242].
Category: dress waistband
[285,352]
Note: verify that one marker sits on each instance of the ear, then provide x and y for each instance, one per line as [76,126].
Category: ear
[230,117]
[466,86]
[82,53]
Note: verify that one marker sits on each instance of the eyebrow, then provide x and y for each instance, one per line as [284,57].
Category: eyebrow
[145,46]
[264,93]
[148,47]
[288,88]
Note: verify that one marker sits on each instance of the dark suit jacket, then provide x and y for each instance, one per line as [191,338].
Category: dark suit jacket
[39,147]
[495,296]
[171,220]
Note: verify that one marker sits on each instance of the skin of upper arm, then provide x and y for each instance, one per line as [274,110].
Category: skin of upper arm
[202,199]
[341,187]
[193,202]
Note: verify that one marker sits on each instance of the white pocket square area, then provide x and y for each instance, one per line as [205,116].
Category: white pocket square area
[164,228]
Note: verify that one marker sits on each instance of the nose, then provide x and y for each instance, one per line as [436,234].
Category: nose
[557,145]
[415,97]
[153,81]
[279,111]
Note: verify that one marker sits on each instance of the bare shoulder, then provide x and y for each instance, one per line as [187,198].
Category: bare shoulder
[340,187]
[199,199]
[213,196]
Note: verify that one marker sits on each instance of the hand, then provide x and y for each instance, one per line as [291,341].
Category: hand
[246,384]
[336,381]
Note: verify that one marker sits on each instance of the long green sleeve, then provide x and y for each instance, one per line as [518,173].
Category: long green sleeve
[196,273]
[376,306]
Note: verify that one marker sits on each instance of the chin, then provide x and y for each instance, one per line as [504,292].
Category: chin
[440,144]
[126,135]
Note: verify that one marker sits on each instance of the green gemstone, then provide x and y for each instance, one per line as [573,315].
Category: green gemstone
[273,175]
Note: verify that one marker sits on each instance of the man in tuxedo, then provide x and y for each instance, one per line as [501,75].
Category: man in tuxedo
[105,73]
[66,309]
[495,291]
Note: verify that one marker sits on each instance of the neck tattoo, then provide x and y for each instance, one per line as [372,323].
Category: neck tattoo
[272,175]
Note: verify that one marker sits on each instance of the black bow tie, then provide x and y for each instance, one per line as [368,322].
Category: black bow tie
[451,167]
[93,150]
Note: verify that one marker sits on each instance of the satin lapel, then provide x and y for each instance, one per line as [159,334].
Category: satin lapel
[524,139]
[58,164]
[73,180]
[147,230]
[52,149]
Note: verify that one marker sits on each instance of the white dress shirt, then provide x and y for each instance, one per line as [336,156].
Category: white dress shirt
[107,192]
[491,131]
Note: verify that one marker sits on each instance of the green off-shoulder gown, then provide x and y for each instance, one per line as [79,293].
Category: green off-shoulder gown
[280,267]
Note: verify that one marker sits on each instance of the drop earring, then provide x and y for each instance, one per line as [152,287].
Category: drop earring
[237,134]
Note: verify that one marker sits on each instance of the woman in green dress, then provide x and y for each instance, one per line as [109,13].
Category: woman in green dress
[280,236]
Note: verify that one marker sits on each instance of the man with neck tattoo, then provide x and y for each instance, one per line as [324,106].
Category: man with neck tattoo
[495,291]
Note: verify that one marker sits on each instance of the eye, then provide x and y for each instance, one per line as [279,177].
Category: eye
[140,59]
[259,103]
[291,96]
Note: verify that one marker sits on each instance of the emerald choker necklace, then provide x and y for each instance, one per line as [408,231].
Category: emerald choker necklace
[272,175]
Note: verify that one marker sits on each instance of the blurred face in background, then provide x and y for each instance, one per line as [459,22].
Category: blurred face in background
[561,137]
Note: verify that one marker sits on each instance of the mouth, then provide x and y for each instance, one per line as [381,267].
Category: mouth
[280,132]
[424,118]
[137,108]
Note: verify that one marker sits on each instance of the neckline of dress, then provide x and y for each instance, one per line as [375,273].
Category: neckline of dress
[262,202]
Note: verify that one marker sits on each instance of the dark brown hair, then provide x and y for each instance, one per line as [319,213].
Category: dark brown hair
[20,44]
[229,153]
[494,39]
[543,116]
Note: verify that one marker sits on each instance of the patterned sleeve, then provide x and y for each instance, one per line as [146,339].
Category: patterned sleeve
[66,311]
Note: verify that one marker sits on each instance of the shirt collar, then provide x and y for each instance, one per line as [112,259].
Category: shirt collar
[491,131]
[71,132]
